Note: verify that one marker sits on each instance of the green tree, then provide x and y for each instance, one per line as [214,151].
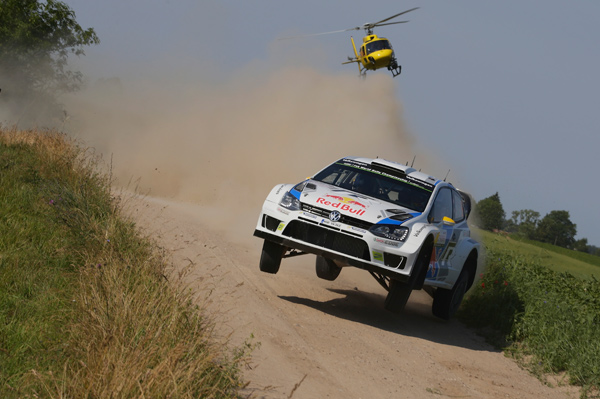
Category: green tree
[556,228]
[36,39]
[525,222]
[490,213]
[581,245]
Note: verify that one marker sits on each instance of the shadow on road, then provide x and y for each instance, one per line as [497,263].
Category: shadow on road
[415,320]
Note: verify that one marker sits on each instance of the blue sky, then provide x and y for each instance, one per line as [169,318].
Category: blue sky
[503,93]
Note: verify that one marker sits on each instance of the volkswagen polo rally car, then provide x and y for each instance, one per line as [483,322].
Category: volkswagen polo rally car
[406,228]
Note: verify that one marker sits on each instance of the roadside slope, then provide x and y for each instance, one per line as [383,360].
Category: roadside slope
[332,338]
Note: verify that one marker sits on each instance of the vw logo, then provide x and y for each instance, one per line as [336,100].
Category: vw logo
[334,216]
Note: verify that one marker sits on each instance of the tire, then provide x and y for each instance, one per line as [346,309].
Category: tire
[270,258]
[327,269]
[422,265]
[398,292]
[446,302]
[397,296]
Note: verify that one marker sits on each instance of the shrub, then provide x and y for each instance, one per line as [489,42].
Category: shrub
[551,318]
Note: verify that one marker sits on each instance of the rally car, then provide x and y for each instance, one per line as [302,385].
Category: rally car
[406,228]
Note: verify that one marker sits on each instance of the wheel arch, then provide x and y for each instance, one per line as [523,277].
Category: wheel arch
[471,265]
[419,277]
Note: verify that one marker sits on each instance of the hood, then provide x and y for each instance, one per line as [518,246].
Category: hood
[352,204]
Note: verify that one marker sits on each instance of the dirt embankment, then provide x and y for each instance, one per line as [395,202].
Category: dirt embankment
[321,339]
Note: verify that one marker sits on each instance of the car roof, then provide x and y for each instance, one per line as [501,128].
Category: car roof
[408,170]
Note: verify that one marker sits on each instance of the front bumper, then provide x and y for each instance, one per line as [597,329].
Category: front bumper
[293,244]
[347,247]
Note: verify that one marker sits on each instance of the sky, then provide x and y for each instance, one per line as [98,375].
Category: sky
[502,94]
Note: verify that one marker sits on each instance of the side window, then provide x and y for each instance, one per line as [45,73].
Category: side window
[459,209]
[442,206]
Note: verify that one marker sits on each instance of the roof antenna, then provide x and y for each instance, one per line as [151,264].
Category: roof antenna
[447,175]
[413,162]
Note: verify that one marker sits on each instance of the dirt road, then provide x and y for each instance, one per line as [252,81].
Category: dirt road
[321,339]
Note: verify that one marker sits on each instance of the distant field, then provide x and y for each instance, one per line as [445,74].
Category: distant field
[559,259]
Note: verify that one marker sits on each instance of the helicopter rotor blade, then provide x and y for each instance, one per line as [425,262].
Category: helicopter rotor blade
[392,23]
[372,25]
[365,26]
[318,34]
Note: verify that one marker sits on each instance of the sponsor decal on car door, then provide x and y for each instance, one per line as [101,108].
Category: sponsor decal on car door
[443,250]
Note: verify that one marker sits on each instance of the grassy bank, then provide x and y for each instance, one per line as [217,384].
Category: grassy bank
[548,319]
[87,306]
[556,258]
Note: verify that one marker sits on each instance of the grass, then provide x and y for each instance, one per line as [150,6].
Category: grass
[581,256]
[559,259]
[538,311]
[88,307]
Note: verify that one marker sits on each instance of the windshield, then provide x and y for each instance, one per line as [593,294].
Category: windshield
[360,178]
[378,45]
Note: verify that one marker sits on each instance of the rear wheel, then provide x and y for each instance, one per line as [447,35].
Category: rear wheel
[270,258]
[446,302]
[397,296]
[327,269]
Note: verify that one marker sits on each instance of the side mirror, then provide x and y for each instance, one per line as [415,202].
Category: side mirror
[448,222]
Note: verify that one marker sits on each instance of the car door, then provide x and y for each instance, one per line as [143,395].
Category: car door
[445,241]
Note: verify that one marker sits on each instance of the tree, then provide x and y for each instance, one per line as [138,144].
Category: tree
[36,39]
[581,245]
[525,222]
[490,213]
[556,228]
[594,250]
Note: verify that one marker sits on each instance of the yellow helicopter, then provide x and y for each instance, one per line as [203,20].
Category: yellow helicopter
[375,52]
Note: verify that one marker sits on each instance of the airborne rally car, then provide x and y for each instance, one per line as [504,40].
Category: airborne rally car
[406,228]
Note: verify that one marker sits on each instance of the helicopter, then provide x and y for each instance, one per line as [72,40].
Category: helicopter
[375,52]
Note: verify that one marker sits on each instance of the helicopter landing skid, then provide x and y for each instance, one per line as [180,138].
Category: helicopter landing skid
[395,70]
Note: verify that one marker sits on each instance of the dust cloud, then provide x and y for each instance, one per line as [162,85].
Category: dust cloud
[225,145]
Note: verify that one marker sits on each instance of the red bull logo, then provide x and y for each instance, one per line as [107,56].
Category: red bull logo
[347,200]
[342,205]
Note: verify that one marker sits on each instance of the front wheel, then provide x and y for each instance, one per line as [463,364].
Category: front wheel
[270,258]
[397,296]
[327,269]
[446,302]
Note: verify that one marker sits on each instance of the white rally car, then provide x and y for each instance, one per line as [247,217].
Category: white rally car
[408,229]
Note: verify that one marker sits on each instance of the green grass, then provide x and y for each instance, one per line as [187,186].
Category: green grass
[88,307]
[581,256]
[556,258]
[543,308]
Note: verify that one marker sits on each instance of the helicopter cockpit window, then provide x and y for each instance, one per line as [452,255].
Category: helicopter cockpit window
[378,45]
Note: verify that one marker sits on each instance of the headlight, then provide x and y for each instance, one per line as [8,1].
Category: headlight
[390,231]
[290,202]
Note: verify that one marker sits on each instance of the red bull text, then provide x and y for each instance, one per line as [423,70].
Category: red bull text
[342,205]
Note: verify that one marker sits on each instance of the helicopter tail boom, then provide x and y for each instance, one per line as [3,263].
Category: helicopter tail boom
[355,59]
